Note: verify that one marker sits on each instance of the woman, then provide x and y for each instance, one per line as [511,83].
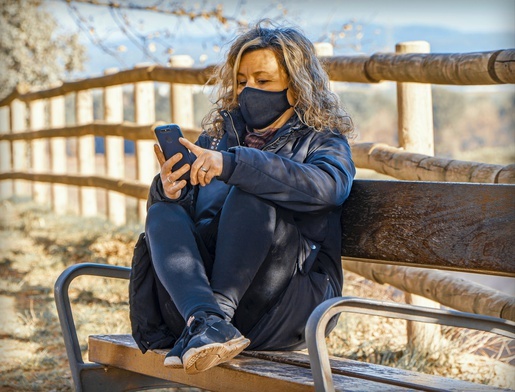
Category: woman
[243,252]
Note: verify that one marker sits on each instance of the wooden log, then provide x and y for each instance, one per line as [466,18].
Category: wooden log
[58,154]
[439,286]
[86,153]
[146,161]
[481,68]
[125,187]
[415,108]
[181,95]
[127,130]
[404,165]
[452,69]
[40,159]
[6,187]
[20,161]
[141,73]
[114,151]
[502,66]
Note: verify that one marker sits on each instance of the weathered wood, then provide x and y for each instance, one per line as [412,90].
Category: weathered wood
[404,165]
[181,95]
[415,108]
[439,286]
[243,373]
[127,130]
[58,154]
[20,161]
[6,187]
[86,152]
[481,68]
[379,373]
[146,162]
[114,151]
[126,187]
[452,69]
[39,151]
[462,227]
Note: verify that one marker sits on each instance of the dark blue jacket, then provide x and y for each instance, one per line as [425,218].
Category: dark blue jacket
[307,172]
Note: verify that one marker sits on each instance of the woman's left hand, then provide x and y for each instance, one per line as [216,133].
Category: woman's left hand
[208,164]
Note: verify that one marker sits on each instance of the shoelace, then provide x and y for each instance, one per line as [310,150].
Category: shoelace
[191,329]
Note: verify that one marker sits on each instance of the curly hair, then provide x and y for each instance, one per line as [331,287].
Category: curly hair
[316,105]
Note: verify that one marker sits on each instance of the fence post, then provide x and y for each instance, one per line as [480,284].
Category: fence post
[114,150]
[144,114]
[6,186]
[415,130]
[58,154]
[415,108]
[39,151]
[181,95]
[86,152]
[20,147]
[325,49]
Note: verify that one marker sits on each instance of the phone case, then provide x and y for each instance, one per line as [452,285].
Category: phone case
[168,138]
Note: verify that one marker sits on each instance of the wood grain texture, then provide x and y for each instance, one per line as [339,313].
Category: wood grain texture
[480,68]
[243,373]
[455,226]
[372,372]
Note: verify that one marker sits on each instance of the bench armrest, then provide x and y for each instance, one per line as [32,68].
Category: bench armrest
[317,322]
[64,310]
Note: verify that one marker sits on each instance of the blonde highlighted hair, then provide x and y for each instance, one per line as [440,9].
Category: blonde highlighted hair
[316,105]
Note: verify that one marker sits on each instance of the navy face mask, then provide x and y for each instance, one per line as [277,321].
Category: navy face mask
[260,108]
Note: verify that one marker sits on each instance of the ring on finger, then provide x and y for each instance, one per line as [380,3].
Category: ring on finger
[168,179]
[204,169]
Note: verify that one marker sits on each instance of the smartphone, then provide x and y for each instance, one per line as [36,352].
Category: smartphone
[168,138]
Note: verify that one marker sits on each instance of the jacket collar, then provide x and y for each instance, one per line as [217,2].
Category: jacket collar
[236,128]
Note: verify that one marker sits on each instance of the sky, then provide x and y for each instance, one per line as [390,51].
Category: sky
[384,23]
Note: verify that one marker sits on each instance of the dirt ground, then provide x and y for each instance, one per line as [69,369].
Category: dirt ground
[36,246]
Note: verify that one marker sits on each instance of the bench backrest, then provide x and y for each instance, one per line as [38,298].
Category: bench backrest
[454,226]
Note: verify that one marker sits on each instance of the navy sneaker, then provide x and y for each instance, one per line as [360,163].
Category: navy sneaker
[206,341]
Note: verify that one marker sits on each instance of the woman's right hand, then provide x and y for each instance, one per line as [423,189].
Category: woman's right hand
[172,186]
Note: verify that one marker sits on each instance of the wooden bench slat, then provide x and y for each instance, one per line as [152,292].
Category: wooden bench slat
[243,373]
[455,226]
[379,373]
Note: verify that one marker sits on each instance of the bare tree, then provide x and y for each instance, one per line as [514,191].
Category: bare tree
[31,53]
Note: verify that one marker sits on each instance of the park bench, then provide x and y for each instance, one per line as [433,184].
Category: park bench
[452,226]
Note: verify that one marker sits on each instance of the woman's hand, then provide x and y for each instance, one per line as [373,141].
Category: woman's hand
[170,179]
[208,164]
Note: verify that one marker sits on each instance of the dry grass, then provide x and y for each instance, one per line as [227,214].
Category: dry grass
[36,246]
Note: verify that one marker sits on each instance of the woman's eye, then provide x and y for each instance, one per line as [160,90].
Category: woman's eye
[242,83]
[262,81]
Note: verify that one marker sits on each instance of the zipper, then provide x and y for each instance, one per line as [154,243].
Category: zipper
[233,127]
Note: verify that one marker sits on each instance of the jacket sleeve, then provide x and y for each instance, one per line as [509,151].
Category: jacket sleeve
[156,194]
[323,181]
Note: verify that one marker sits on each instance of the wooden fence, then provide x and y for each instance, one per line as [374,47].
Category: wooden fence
[33,133]
[35,160]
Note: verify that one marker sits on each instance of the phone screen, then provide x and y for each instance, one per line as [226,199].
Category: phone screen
[168,138]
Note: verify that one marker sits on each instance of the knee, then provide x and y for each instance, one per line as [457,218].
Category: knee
[167,214]
[241,199]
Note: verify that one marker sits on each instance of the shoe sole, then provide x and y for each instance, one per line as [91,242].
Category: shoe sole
[199,359]
[173,362]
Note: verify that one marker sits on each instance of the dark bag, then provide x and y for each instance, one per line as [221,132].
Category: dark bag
[149,329]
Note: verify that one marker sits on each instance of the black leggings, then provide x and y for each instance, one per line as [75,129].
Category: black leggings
[238,265]
[242,264]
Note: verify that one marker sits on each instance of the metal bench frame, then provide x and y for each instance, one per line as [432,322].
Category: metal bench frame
[92,376]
